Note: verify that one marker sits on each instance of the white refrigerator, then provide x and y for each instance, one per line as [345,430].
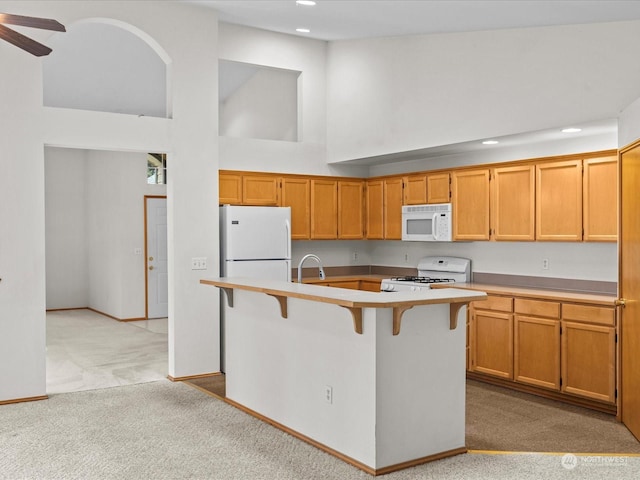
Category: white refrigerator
[255,242]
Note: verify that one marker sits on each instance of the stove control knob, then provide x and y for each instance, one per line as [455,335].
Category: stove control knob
[387,288]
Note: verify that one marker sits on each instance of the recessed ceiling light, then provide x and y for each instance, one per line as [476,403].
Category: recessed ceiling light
[306,3]
[303,30]
[571,130]
[490,142]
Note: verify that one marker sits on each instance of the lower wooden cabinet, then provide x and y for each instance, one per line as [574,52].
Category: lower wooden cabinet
[588,361]
[564,348]
[537,351]
[492,343]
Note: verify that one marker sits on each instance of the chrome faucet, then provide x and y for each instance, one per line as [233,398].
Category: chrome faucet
[317,259]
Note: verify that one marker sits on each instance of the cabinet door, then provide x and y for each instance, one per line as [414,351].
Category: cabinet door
[492,343]
[324,209]
[350,209]
[536,356]
[600,205]
[513,203]
[438,190]
[559,201]
[230,189]
[470,190]
[588,361]
[375,209]
[260,190]
[415,190]
[296,193]
[393,208]
[370,285]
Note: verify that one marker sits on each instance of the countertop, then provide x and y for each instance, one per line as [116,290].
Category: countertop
[347,297]
[539,293]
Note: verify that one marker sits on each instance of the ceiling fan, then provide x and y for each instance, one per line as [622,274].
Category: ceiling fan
[22,41]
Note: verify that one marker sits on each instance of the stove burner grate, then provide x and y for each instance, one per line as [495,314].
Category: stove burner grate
[415,279]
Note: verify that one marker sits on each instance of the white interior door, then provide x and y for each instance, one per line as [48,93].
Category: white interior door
[156,260]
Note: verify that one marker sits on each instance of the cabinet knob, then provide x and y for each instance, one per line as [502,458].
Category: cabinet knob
[151,267]
[620,302]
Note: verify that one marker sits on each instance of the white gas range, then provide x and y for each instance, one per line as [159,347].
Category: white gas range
[431,270]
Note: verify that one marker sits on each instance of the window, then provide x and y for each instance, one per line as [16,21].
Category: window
[157,168]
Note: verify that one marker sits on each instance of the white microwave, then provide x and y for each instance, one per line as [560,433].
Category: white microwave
[427,223]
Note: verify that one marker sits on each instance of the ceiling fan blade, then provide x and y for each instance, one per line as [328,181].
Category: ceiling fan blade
[23,42]
[34,22]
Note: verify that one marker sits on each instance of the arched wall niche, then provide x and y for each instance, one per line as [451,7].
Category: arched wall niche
[106,65]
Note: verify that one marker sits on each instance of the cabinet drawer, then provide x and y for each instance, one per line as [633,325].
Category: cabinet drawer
[494,302]
[538,308]
[588,313]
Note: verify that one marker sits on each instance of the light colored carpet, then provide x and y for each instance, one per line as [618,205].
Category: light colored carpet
[87,350]
[165,430]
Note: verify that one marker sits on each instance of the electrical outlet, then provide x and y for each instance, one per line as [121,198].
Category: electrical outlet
[199,263]
[328,394]
[355,256]
[406,258]
[545,264]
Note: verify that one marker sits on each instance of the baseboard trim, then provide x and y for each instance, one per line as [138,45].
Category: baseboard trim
[193,377]
[341,456]
[116,318]
[22,400]
[65,309]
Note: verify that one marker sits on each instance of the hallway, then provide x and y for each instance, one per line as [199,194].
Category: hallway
[88,351]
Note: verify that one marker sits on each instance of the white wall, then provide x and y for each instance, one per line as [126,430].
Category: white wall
[265,106]
[97,66]
[188,36]
[308,154]
[389,95]
[67,253]
[116,186]
[22,247]
[629,124]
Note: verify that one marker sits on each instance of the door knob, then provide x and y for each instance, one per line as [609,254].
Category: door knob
[151,267]
[620,302]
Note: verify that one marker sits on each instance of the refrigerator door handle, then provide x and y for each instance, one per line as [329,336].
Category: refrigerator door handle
[288,229]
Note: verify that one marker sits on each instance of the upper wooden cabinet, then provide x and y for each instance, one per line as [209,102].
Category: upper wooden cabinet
[513,203]
[559,201]
[374,218]
[229,189]
[324,209]
[296,193]
[415,190]
[350,209]
[438,190]
[393,208]
[260,190]
[470,198]
[600,199]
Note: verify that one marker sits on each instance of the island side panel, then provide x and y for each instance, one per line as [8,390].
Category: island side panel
[280,367]
[421,385]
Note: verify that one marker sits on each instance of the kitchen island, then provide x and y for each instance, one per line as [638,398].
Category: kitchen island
[377,379]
